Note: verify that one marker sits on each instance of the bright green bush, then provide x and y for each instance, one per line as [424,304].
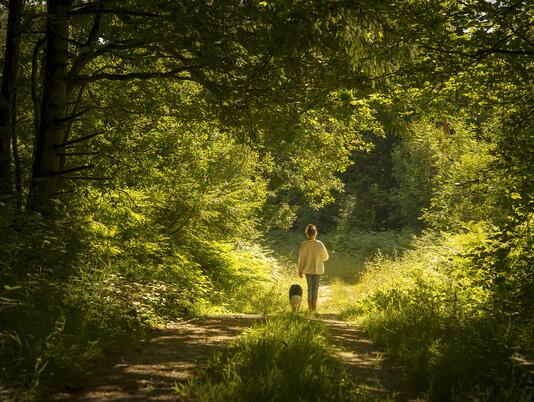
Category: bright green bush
[287,358]
[436,310]
[244,278]
[76,288]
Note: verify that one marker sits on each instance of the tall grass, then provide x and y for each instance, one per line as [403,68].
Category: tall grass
[435,310]
[348,252]
[359,245]
[364,244]
[287,358]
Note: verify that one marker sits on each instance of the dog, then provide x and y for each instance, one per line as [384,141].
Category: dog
[295,297]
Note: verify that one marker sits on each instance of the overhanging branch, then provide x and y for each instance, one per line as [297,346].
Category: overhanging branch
[78,153]
[172,74]
[74,169]
[74,141]
[76,115]
[84,57]
[95,9]
[87,178]
[482,53]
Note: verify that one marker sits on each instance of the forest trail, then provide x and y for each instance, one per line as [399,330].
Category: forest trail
[171,355]
[175,352]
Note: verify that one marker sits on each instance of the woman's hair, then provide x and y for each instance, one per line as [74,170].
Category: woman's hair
[310,230]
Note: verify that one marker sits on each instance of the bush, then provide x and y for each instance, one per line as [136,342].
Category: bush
[435,310]
[286,358]
[76,288]
[244,278]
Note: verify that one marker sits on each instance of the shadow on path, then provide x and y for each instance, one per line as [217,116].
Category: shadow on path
[176,352]
[366,363]
[173,354]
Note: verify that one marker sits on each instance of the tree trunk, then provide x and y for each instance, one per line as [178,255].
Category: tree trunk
[7,95]
[16,158]
[44,184]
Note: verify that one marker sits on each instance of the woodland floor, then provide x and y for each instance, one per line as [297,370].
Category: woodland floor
[172,354]
[175,352]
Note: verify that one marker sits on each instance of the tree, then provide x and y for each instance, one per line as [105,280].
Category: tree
[8,95]
[246,55]
[51,135]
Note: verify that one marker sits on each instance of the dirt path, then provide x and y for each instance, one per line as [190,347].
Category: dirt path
[367,363]
[171,355]
[174,353]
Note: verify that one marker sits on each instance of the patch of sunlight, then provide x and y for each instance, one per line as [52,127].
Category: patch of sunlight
[340,295]
[344,268]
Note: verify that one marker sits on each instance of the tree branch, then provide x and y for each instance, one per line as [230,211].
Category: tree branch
[74,141]
[84,57]
[506,51]
[78,153]
[122,45]
[479,54]
[75,169]
[173,74]
[76,115]
[86,178]
[94,9]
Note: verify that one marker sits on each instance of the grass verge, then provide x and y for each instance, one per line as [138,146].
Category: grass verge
[286,358]
[439,314]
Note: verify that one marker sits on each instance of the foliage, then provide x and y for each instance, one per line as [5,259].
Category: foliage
[188,130]
[246,65]
[435,310]
[421,174]
[83,287]
[285,358]
[363,244]
[448,175]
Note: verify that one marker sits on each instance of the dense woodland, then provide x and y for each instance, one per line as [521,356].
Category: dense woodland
[150,152]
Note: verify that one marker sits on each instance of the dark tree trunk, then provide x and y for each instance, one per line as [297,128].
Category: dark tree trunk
[51,134]
[16,158]
[7,96]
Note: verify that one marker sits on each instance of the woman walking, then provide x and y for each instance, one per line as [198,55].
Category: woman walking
[312,255]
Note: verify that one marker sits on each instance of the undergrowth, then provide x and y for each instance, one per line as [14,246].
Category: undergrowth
[359,245]
[74,289]
[445,313]
[286,358]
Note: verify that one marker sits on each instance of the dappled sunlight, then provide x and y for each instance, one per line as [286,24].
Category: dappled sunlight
[366,362]
[335,297]
[163,163]
[173,354]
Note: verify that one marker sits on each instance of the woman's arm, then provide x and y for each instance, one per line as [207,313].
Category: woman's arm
[325,253]
[301,261]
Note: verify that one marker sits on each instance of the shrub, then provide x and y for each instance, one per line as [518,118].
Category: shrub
[435,310]
[285,358]
[76,288]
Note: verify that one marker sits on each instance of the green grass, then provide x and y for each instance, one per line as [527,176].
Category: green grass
[432,307]
[434,312]
[343,271]
[348,251]
[286,358]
